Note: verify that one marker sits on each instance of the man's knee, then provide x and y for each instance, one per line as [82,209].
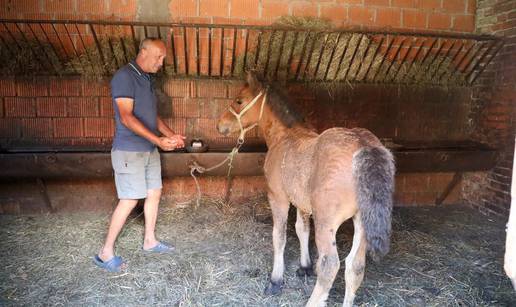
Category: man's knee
[154,193]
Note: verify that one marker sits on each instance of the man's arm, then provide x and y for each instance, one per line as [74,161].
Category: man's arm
[166,131]
[125,108]
[164,128]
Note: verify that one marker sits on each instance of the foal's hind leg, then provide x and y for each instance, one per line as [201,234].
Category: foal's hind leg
[303,234]
[328,263]
[279,207]
[355,262]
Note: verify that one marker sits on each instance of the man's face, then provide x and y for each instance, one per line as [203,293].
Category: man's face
[154,54]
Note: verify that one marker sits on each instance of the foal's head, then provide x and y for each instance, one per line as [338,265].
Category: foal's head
[247,105]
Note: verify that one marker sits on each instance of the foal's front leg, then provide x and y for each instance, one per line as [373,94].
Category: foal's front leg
[279,207]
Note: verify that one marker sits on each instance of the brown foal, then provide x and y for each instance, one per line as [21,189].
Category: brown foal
[333,176]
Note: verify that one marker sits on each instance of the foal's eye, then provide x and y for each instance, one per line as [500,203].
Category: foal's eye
[239,101]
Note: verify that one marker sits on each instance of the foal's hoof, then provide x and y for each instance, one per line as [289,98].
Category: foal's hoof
[274,288]
[302,272]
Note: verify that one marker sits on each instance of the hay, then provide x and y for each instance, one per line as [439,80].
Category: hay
[317,54]
[439,257]
[29,58]
[98,62]
[325,56]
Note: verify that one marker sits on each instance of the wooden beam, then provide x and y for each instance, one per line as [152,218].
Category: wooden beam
[98,164]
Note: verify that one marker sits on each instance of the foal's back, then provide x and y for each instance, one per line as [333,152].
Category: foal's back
[316,169]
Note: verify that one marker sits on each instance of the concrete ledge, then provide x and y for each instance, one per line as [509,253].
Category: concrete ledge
[90,165]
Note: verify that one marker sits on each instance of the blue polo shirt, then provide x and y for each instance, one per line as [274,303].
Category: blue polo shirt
[132,82]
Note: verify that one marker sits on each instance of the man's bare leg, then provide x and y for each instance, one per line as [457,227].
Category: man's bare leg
[122,211]
[150,210]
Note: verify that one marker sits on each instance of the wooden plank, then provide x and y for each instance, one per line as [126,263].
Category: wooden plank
[98,164]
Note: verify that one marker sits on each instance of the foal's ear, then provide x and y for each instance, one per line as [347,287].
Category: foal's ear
[253,82]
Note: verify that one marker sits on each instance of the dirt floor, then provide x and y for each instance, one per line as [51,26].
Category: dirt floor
[448,256]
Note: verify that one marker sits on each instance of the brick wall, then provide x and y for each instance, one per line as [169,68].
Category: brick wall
[495,101]
[74,113]
[427,15]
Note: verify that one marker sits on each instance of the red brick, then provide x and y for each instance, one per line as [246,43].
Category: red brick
[92,7]
[439,21]
[464,23]
[51,107]
[183,8]
[37,127]
[454,6]
[96,88]
[124,8]
[67,127]
[177,88]
[244,9]
[99,127]
[336,13]
[414,19]
[388,17]
[214,107]
[185,108]
[10,127]
[217,89]
[404,198]
[361,16]
[59,6]
[471,6]
[207,128]
[83,106]
[404,3]
[106,107]
[416,182]
[65,87]
[429,4]
[19,107]
[274,9]
[178,125]
[210,8]
[7,87]
[439,181]
[351,2]
[304,8]
[425,198]
[376,2]
[20,6]
[31,88]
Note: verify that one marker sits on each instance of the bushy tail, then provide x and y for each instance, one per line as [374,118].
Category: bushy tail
[373,170]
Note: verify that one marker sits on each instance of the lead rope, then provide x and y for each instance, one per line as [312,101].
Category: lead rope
[196,167]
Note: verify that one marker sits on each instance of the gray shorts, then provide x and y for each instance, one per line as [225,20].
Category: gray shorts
[136,172]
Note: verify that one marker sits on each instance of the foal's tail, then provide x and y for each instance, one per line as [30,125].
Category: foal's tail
[373,171]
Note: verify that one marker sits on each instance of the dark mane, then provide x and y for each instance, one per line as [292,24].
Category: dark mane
[282,106]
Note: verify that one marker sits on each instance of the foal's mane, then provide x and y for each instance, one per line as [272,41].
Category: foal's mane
[282,106]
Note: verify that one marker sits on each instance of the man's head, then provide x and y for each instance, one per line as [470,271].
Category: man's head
[151,54]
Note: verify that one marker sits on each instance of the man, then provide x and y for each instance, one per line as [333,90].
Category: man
[134,155]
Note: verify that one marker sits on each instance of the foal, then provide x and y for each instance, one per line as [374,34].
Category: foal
[333,176]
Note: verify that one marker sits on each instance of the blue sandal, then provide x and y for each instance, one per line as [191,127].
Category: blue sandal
[161,248]
[112,265]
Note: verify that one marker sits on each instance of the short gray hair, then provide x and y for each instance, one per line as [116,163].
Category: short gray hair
[145,42]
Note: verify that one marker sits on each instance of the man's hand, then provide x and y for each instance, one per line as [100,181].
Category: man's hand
[178,140]
[167,144]
[171,142]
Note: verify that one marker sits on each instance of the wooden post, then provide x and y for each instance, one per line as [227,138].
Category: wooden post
[510,243]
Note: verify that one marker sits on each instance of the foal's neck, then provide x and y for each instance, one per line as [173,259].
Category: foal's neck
[275,131]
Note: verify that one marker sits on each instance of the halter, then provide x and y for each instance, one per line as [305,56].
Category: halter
[238,116]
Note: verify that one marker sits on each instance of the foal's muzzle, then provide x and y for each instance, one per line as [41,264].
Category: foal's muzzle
[223,129]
